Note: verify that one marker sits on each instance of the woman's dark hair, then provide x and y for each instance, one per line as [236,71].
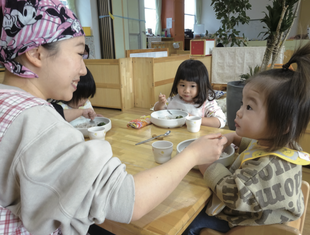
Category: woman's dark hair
[51,47]
[86,88]
[287,99]
[87,50]
[194,71]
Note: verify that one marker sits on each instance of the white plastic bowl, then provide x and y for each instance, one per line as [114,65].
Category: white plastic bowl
[97,120]
[227,157]
[160,118]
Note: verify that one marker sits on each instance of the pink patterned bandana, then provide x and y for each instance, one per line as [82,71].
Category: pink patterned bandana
[29,23]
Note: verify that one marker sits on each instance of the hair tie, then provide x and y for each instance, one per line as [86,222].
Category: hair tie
[286,66]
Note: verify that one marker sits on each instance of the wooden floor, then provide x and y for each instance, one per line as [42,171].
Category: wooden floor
[306,171]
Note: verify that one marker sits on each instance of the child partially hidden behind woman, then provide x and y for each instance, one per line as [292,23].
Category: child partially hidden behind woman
[192,92]
[79,107]
[263,185]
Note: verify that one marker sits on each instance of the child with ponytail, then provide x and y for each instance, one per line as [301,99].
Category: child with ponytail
[263,185]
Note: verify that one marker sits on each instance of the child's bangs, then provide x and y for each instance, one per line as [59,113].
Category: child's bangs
[190,76]
[263,84]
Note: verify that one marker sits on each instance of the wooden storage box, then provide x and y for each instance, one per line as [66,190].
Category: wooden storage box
[113,79]
[201,47]
[1,74]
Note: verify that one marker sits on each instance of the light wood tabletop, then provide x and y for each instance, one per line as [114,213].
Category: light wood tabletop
[175,213]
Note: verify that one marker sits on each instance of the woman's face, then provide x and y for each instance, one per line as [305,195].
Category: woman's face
[61,73]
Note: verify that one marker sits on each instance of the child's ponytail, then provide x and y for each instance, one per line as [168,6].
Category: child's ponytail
[301,78]
[287,99]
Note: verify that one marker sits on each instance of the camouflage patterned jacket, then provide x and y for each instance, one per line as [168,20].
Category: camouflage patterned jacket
[261,190]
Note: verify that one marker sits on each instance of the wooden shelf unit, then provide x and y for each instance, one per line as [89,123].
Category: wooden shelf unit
[113,79]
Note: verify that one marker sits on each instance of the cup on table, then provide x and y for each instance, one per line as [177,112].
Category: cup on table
[96,132]
[193,123]
[162,151]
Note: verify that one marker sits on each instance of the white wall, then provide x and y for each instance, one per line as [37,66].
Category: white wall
[120,28]
[88,15]
[252,30]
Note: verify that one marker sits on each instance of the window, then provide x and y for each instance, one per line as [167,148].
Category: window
[150,14]
[189,14]
[64,2]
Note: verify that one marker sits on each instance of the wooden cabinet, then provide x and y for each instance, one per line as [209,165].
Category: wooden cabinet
[169,45]
[114,85]
[305,140]
[1,75]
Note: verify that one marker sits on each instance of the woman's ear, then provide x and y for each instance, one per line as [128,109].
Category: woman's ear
[34,56]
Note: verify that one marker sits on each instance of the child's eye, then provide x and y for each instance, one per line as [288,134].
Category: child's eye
[193,86]
[248,107]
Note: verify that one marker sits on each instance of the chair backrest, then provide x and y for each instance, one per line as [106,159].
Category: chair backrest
[299,224]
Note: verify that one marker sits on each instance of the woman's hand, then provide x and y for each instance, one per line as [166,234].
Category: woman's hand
[231,138]
[206,149]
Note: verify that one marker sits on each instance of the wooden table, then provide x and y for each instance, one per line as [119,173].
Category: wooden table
[175,213]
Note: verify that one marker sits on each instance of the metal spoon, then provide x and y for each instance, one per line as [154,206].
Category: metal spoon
[169,111]
[167,133]
[167,108]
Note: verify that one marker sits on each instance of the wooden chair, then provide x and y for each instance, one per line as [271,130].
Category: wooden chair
[292,228]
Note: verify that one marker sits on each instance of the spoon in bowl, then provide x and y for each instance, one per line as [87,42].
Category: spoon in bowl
[167,133]
[169,111]
[167,107]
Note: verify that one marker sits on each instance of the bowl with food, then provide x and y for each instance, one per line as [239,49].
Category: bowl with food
[163,118]
[227,157]
[84,123]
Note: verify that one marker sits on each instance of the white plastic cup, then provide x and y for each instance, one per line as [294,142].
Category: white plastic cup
[96,132]
[162,151]
[193,123]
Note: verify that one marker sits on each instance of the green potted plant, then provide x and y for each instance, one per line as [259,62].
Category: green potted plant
[234,96]
[252,72]
[231,13]
[278,23]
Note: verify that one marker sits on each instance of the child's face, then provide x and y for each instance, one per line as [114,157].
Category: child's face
[251,117]
[79,104]
[187,90]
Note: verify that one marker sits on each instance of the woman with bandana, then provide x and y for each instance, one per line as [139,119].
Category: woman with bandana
[52,181]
